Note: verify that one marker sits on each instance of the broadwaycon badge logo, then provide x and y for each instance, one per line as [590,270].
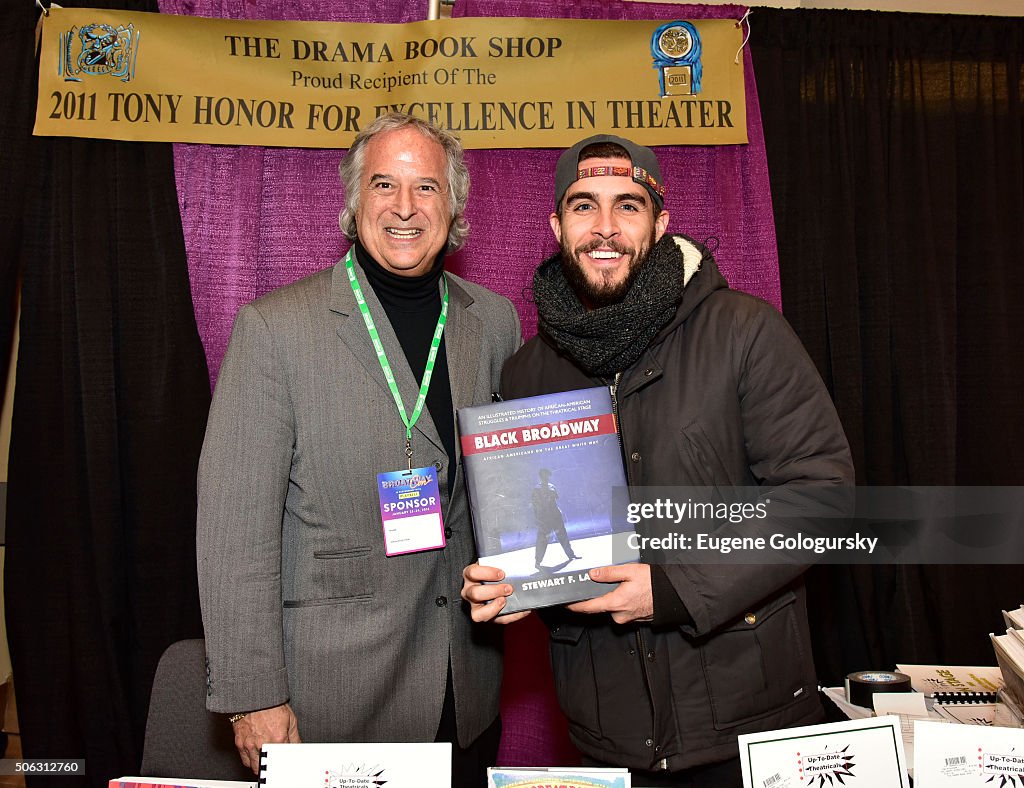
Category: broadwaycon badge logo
[98,50]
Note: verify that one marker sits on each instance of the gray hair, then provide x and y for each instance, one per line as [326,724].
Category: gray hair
[351,171]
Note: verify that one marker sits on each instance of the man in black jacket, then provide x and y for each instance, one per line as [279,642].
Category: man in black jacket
[713,388]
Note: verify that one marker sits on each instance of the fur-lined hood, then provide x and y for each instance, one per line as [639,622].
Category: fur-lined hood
[701,277]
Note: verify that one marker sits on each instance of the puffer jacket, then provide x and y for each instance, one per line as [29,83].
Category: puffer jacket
[724,395]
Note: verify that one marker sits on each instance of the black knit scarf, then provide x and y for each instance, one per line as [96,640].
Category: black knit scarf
[605,341]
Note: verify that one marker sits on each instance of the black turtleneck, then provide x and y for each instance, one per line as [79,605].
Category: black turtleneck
[413,304]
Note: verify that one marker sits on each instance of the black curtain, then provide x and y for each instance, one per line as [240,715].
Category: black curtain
[109,412]
[895,151]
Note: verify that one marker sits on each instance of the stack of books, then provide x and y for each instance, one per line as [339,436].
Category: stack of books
[1014,618]
[1009,650]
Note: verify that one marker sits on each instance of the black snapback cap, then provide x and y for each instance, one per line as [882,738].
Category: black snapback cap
[644,169]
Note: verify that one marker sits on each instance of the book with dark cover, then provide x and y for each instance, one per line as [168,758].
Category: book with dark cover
[541,474]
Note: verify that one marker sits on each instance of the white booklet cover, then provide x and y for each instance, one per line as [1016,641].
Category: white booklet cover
[855,754]
[350,765]
[967,755]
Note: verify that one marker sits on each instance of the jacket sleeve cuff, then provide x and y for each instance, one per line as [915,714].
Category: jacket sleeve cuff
[669,609]
[233,695]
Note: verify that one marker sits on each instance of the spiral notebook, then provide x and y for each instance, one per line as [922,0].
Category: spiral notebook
[953,698]
[351,765]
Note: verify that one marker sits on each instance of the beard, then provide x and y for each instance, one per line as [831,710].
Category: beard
[599,290]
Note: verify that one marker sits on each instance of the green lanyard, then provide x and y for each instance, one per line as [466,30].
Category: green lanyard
[382,357]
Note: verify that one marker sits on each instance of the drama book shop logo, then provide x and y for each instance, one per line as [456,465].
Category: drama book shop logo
[98,50]
[355,776]
[826,768]
[676,50]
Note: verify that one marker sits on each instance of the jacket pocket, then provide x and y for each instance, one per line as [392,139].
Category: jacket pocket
[334,600]
[337,575]
[758,665]
[353,552]
[705,466]
[573,667]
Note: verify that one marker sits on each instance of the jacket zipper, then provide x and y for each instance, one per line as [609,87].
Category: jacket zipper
[618,424]
[641,646]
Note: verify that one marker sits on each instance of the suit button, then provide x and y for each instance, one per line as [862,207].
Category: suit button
[632,651]
[650,656]
[441,601]
[649,742]
[648,372]
[750,618]
[447,533]
[437,464]
[635,456]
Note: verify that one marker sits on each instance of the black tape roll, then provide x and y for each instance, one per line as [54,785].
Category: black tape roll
[860,686]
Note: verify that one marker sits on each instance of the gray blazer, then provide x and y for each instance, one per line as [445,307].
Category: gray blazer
[300,604]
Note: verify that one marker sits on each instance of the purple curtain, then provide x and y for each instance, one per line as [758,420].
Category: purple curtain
[256,218]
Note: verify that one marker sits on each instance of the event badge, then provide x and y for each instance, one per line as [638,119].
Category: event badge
[410,501]
[410,509]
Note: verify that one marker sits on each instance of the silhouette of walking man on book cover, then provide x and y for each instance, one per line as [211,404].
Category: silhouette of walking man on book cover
[550,520]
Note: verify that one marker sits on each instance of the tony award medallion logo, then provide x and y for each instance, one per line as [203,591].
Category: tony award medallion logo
[675,47]
[98,50]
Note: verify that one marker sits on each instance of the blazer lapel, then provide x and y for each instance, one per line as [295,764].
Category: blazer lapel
[352,331]
[464,339]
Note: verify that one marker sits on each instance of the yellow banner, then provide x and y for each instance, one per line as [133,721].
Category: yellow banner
[497,82]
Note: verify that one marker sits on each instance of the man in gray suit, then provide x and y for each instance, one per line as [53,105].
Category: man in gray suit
[320,621]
